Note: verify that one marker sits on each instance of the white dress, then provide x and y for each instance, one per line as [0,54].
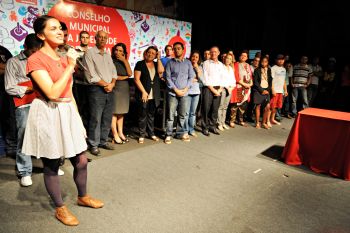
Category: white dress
[53,130]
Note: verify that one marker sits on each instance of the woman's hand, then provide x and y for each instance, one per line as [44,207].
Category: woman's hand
[144,97]
[72,56]
[122,58]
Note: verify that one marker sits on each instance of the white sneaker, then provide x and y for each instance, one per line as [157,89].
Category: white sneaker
[167,140]
[221,128]
[26,181]
[226,126]
[60,172]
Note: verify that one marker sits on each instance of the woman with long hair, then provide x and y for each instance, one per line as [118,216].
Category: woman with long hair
[54,128]
[194,93]
[229,82]
[261,93]
[122,93]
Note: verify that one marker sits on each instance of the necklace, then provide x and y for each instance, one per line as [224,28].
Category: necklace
[264,83]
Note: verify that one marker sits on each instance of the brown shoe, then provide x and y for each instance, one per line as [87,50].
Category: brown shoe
[90,202]
[65,216]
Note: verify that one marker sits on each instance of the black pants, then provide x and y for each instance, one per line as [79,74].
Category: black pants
[210,107]
[147,111]
[81,97]
[8,121]
[101,105]
[249,113]
[199,108]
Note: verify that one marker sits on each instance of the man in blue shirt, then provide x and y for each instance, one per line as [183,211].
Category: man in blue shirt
[179,75]
[168,54]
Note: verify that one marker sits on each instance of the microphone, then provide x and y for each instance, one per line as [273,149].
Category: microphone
[67,47]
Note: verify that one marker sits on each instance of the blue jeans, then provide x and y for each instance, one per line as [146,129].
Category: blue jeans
[191,117]
[181,105]
[101,105]
[295,94]
[286,101]
[23,162]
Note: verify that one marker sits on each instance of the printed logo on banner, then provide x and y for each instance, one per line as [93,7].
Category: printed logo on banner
[7,4]
[137,17]
[6,40]
[86,17]
[31,15]
[28,2]
[18,32]
[136,30]
[145,26]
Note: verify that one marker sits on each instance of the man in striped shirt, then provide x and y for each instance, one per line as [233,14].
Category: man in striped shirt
[300,81]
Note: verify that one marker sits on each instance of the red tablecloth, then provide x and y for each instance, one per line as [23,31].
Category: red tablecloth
[320,139]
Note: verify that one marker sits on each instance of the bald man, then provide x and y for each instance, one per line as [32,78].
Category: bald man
[102,74]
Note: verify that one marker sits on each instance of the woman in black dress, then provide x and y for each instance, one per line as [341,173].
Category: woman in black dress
[261,92]
[122,93]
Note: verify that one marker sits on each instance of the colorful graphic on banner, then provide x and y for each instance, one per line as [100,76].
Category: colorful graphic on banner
[86,17]
[146,30]
[136,30]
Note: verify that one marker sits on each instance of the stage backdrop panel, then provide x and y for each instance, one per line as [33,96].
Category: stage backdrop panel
[136,30]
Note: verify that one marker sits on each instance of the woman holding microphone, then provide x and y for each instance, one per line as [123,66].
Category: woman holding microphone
[54,128]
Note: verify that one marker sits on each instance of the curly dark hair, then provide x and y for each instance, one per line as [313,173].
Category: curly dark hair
[115,48]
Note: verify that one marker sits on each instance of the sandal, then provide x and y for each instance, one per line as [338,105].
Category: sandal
[120,141]
[275,123]
[155,138]
[232,125]
[242,123]
[167,140]
[141,140]
[269,124]
[185,138]
[257,126]
[265,126]
[124,139]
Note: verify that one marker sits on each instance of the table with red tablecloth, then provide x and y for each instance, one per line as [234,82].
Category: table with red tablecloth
[320,140]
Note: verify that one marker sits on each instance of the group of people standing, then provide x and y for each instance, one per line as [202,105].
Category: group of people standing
[60,117]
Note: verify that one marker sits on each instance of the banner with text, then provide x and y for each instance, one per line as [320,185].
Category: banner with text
[136,30]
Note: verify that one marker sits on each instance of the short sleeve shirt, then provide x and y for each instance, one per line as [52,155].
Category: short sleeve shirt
[55,68]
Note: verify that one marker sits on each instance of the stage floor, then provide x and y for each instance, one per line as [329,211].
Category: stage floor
[230,183]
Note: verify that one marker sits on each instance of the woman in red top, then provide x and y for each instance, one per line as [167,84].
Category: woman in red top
[241,93]
[54,128]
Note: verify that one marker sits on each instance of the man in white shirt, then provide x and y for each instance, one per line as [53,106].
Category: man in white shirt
[102,74]
[279,88]
[17,85]
[213,85]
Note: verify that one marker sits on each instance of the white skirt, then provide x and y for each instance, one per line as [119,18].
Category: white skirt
[53,130]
